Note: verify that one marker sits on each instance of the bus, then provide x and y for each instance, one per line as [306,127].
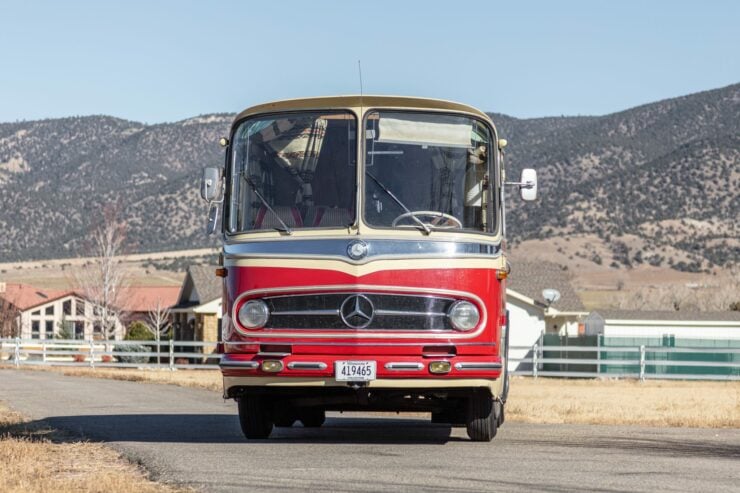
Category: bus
[363,261]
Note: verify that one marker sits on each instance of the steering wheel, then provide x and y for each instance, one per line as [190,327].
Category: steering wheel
[435,217]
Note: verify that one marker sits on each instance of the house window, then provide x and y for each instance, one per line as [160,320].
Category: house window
[50,310]
[36,313]
[80,307]
[49,329]
[79,329]
[35,325]
[67,307]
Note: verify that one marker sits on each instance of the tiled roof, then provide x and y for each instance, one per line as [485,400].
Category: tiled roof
[671,315]
[206,284]
[530,278]
[24,296]
[145,298]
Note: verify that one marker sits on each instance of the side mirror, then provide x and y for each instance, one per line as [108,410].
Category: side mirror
[528,185]
[210,185]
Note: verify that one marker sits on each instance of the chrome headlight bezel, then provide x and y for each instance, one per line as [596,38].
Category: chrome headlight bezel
[463,315]
[253,314]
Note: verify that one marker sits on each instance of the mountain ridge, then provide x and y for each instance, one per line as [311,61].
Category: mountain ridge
[597,177]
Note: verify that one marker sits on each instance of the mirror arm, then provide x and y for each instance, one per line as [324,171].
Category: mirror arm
[520,184]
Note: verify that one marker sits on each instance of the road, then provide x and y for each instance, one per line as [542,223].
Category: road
[191,436]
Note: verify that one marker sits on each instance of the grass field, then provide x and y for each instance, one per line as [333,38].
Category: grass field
[40,460]
[549,400]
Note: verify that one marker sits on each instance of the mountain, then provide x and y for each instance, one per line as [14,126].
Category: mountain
[56,175]
[654,184]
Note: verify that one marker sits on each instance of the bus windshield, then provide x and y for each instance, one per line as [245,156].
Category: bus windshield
[292,171]
[427,171]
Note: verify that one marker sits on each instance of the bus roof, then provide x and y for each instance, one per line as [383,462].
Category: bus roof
[356,101]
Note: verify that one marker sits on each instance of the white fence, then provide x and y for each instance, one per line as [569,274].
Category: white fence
[643,362]
[101,354]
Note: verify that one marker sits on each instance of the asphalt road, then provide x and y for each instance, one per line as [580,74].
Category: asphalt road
[192,437]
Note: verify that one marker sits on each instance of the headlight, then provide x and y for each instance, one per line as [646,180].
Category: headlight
[254,314]
[463,315]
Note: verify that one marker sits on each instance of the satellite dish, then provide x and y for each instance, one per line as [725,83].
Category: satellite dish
[550,295]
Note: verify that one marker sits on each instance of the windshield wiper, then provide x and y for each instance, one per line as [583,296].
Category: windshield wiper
[267,206]
[424,227]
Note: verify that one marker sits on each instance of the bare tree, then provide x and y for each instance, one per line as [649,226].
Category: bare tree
[158,322]
[9,314]
[103,281]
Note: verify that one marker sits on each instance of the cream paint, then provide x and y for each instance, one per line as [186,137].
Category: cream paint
[303,262]
[494,385]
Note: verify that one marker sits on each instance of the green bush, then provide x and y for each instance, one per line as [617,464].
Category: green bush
[138,331]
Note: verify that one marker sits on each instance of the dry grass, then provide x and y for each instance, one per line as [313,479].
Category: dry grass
[625,402]
[548,400]
[42,460]
[201,379]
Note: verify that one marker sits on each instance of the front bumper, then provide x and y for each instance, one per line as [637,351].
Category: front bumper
[393,371]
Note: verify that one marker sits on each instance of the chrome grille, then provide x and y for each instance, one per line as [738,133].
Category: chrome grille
[390,312]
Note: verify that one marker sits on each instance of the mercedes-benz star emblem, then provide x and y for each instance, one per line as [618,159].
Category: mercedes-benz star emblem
[357,311]
[357,249]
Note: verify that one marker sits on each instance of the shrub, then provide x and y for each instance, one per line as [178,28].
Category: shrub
[138,331]
[133,348]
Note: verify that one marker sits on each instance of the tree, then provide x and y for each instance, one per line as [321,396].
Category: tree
[102,282]
[158,322]
[9,314]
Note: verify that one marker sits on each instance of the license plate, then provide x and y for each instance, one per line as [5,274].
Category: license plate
[355,371]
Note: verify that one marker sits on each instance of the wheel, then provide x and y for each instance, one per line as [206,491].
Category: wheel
[481,420]
[312,417]
[437,219]
[254,417]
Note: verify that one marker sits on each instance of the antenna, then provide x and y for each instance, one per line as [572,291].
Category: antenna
[359,69]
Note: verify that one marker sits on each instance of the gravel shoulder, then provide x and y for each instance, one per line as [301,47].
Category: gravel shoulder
[191,437]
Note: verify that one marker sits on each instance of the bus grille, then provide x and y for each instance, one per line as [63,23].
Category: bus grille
[360,311]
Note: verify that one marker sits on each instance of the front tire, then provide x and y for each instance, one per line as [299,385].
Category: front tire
[482,422]
[254,417]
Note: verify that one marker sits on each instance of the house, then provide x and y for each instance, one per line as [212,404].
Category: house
[530,315]
[43,313]
[197,314]
[678,324]
[140,301]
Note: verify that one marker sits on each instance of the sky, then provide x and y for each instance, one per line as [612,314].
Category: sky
[156,61]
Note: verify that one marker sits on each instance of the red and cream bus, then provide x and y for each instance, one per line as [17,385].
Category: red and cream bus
[363,261]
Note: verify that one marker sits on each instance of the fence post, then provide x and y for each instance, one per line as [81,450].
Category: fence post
[642,363]
[598,354]
[17,352]
[43,351]
[92,354]
[172,354]
[535,351]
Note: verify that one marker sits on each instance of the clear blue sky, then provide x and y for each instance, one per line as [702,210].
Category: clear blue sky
[157,61]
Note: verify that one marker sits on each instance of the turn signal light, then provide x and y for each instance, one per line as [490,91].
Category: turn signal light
[439,367]
[272,365]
